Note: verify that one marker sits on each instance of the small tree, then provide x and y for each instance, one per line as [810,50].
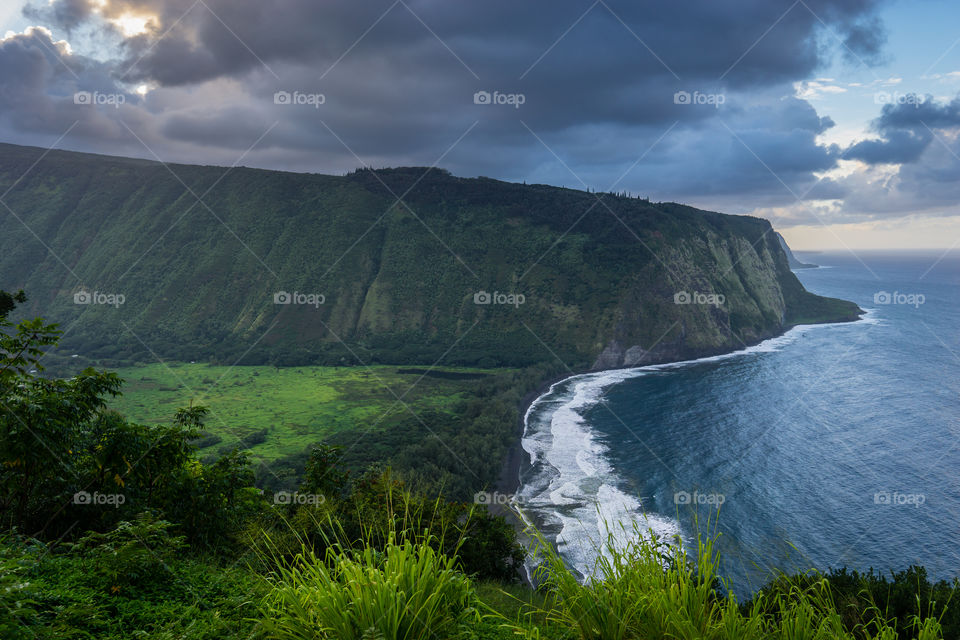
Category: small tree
[60,446]
[324,473]
[39,438]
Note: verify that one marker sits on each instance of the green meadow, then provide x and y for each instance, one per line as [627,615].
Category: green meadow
[273,412]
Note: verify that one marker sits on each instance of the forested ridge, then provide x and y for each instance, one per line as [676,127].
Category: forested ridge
[194,263]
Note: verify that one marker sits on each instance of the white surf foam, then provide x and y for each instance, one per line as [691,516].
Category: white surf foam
[592,529]
[571,489]
[574,491]
[871,317]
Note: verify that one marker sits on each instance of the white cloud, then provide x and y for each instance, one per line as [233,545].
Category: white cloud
[816,89]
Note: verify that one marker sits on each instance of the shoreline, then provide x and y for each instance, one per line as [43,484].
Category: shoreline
[516,461]
[517,457]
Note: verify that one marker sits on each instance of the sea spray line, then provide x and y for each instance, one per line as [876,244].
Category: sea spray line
[589,518]
[761,347]
[867,318]
[573,542]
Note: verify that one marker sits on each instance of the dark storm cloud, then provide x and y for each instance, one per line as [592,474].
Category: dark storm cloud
[921,136]
[39,79]
[864,41]
[897,145]
[603,87]
[906,129]
[608,52]
[67,14]
[499,38]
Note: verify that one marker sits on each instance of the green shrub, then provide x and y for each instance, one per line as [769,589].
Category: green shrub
[380,509]
[134,554]
[17,600]
[409,592]
[61,598]
[871,600]
[206,441]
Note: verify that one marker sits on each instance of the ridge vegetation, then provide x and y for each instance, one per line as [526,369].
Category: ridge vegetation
[194,263]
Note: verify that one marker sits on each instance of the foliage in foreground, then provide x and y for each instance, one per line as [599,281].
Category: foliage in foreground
[871,598]
[641,589]
[62,593]
[167,553]
[410,590]
[647,588]
[69,466]
[407,591]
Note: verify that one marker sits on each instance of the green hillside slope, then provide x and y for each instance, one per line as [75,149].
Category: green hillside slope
[197,256]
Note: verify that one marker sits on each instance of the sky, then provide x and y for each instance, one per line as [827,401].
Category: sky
[839,121]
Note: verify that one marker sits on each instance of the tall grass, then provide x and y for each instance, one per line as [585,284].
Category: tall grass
[408,592]
[400,582]
[646,588]
[397,579]
[389,514]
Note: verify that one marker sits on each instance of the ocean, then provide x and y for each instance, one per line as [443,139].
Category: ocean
[832,445]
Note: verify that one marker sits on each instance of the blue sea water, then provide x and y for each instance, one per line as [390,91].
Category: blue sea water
[833,445]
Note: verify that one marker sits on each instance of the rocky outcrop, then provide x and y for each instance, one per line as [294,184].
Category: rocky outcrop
[792,259]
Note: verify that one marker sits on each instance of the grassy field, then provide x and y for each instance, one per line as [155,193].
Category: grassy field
[297,406]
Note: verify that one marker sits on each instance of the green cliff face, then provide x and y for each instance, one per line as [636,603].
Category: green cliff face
[199,255]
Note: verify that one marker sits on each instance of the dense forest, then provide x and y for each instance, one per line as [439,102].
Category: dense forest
[269,267]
